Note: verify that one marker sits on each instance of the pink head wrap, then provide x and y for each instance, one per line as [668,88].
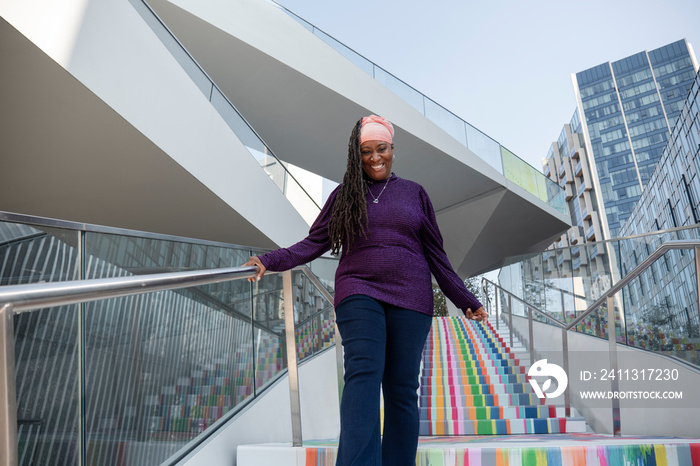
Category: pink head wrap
[376,128]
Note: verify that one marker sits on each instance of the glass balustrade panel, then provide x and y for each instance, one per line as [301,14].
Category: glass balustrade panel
[414,98]
[312,333]
[269,330]
[47,344]
[272,166]
[594,324]
[160,368]
[47,352]
[519,172]
[298,191]
[33,254]
[324,268]
[360,61]
[486,148]
[155,369]
[661,307]
[450,123]
[193,70]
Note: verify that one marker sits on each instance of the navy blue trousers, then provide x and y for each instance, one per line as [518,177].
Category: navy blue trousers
[383,345]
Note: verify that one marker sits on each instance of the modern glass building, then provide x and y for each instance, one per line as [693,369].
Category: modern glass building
[567,163]
[672,197]
[628,108]
[658,309]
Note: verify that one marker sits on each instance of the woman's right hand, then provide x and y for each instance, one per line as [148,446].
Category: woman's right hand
[261,268]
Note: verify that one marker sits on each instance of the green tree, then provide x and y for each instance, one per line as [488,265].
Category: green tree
[473,284]
[439,302]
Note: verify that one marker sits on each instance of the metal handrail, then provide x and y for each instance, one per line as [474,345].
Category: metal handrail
[30,297]
[645,264]
[15,299]
[537,310]
[607,298]
[604,242]
[561,290]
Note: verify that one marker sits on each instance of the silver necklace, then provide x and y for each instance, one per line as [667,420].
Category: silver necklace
[376,199]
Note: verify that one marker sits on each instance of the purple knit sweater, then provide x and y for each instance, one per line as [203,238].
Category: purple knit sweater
[393,264]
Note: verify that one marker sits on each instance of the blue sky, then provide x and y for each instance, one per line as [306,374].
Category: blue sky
[502,65]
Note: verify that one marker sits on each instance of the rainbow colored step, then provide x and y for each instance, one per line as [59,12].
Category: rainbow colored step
[471,384]
[498,450]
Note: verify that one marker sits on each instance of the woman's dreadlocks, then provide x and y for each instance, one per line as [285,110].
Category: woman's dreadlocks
[349,216]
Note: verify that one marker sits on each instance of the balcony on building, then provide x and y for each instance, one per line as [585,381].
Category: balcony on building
[569,192]
[582,188]
[590,233]
[596,250]
[576,263]
[573,237]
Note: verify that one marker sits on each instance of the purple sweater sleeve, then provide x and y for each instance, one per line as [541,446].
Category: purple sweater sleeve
[439,264]
[306,250]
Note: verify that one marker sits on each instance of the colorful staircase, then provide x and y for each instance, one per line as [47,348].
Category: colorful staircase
[478,408]
[471,384]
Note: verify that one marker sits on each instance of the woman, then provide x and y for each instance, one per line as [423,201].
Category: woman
[385,230]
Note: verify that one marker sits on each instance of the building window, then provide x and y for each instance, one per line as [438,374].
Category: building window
[672,214]
[690,199]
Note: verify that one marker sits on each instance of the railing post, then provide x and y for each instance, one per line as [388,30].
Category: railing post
[563,306]
[495,299]
[8,389]
[697,277]
[530,332]
[340,367]
[510,318]
[614,384]
[565,351]
[319,333]
[291,344]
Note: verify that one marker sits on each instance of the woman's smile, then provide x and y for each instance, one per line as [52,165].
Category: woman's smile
[376,159]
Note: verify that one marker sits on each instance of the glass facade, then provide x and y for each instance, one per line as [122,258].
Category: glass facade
[628,107]
[672,197]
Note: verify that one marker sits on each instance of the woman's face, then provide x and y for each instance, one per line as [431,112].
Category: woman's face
[376,159]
